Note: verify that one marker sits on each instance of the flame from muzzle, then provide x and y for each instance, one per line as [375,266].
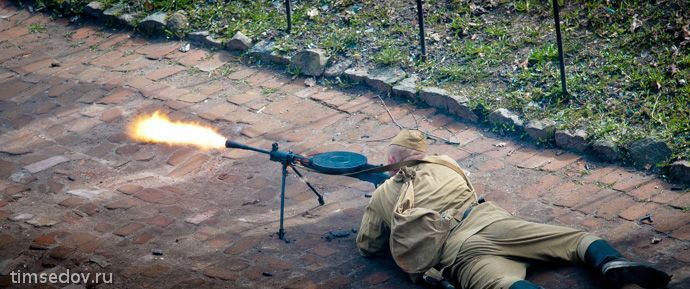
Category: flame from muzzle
[158,128]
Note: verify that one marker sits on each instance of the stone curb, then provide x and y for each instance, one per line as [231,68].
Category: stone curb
[395,81]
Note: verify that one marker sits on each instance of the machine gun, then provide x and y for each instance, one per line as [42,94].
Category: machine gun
[330,163]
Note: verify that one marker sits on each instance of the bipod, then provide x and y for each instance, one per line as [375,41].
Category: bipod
[287,160]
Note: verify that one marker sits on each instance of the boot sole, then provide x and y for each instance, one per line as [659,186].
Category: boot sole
[643,275]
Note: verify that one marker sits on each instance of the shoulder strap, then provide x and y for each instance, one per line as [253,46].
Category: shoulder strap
[397,166]
[391,167]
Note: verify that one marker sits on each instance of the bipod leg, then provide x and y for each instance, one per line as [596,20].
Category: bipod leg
[321,201]
[281,231]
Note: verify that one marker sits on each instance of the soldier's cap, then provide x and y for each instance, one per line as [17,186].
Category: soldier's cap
[411,139]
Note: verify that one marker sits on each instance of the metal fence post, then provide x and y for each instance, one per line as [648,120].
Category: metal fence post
[288,12]
[559,42]
[420,19]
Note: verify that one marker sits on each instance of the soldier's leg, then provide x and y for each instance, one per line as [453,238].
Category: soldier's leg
[518,238]
[491,272]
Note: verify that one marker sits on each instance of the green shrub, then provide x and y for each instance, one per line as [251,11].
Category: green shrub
[389,56]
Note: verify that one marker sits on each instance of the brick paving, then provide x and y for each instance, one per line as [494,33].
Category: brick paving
[77,194]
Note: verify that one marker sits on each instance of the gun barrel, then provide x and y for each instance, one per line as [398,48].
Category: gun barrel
[235,145]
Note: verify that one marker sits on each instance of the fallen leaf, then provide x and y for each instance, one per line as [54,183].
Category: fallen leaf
[148,5]
[313,13]
[636,23]
[523,64]
[477,9]
[185,47]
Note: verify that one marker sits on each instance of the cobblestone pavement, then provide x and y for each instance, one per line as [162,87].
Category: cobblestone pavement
[78,195]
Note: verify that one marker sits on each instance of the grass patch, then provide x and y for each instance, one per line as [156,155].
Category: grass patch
[339,41]
[389,56]
[268,90]
[224,70]
[461,73]
[36,28]
[285,44]
[293,70]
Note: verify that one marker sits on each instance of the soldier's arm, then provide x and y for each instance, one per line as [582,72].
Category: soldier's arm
[372,237]
[373,234]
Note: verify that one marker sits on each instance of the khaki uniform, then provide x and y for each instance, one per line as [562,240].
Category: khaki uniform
[489,249]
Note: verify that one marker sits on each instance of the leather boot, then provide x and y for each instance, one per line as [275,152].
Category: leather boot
[617,270]
[524,284]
